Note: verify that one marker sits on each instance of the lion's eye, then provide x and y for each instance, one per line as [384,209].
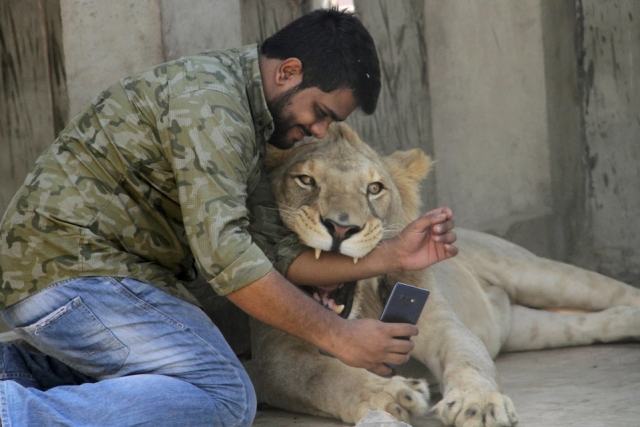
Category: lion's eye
[375,188]
[306,180]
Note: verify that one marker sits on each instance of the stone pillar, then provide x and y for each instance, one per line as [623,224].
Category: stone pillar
[564,116]
[610,70]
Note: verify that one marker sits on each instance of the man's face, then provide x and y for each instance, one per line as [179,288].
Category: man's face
[305,112]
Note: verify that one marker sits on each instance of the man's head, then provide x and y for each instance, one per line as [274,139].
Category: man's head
[321,67]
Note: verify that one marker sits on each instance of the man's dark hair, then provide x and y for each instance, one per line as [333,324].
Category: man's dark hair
[336,52]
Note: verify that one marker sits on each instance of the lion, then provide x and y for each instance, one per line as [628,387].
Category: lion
[491,298]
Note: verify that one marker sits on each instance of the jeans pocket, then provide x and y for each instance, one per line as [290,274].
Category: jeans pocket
[74,335]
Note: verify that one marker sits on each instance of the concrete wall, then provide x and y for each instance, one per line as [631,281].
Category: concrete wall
[107,40]
[202,25]
[103,41]
[611,103]
[488,109]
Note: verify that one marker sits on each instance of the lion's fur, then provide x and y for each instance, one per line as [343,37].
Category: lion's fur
[485,300]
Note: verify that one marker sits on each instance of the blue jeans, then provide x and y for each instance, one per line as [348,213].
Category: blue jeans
[119,353]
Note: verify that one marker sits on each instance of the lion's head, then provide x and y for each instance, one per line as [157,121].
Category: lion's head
[339,195]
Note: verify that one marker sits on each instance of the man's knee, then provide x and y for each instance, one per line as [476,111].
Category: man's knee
[241,403]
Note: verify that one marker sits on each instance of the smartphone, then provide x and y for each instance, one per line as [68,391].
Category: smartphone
[405,305]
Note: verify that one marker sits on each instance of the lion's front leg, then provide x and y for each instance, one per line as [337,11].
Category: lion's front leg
[472,397]
[468,377]
[471,390]
[290,374]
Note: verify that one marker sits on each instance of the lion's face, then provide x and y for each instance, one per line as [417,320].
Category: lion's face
[339,195]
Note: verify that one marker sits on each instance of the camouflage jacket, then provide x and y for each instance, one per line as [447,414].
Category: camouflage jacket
[162,172]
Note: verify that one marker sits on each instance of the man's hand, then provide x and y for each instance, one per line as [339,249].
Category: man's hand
[426,240]
[362,343]
[367,343]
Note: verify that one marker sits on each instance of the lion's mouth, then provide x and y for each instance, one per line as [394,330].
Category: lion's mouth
[337,298]
[319,251]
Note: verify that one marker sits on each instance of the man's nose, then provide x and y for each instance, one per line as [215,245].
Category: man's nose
[319,130]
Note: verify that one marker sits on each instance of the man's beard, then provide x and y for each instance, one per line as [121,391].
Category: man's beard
[281,122]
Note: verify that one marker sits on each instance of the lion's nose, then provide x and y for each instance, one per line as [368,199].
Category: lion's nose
[340,231]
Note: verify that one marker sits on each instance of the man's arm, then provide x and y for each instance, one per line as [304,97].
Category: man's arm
[425,241]
[362,343]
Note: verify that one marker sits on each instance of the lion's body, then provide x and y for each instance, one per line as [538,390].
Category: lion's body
[488,299]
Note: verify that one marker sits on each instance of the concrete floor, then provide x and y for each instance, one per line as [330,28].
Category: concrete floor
[596,386]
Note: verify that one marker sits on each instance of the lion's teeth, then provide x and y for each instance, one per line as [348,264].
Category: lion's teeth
[355,260]
[318,250]
[338,309]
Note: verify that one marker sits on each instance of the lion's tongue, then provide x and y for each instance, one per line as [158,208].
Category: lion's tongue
[324,299]
[322,296]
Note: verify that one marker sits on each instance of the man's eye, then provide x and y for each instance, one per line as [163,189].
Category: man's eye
[375,188]
[306,180]
[320,115]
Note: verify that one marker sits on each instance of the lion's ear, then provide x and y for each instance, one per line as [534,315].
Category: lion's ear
[341,131]
[413,164]
[407,169]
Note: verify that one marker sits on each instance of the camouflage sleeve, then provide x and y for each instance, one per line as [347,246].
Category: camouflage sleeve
[210,145]
[280,244]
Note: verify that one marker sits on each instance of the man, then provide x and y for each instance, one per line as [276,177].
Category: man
[162,172]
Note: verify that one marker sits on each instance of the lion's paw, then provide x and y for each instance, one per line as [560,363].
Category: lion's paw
[403,398]
[476,409]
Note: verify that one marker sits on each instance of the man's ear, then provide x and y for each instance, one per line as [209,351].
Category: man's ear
[289,73]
